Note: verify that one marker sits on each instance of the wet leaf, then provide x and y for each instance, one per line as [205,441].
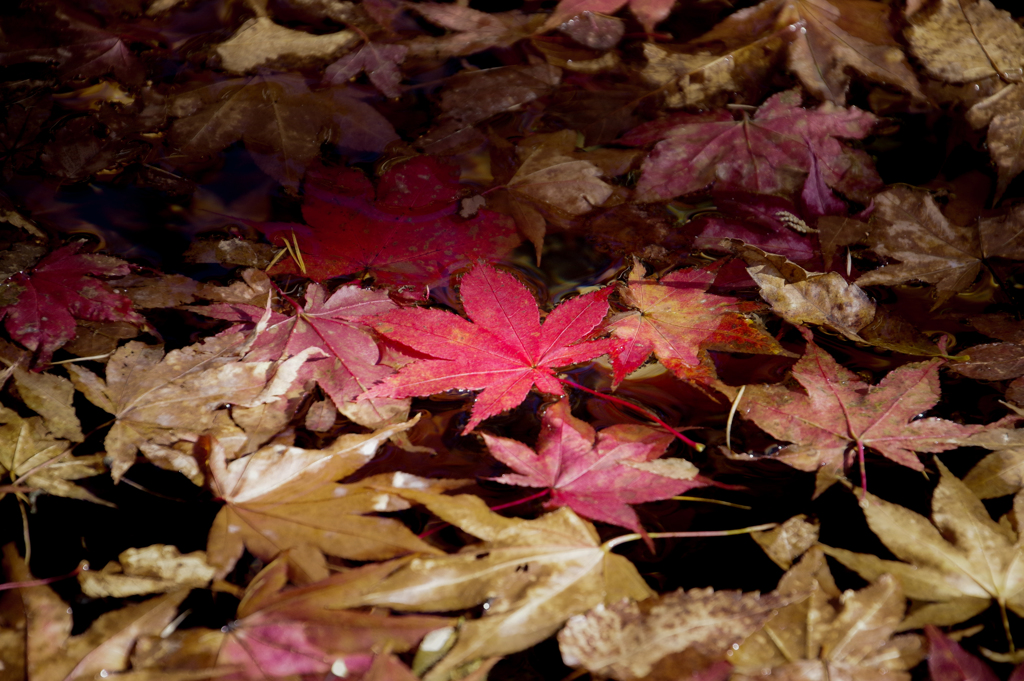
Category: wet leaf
[154,569]
[60,288]
[647,12]
[836,411]
[828,634]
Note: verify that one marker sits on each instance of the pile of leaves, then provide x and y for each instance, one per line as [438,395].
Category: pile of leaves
[392,340]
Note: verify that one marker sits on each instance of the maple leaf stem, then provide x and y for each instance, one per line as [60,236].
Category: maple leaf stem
[43,582]
[612,543]
[684,497]
[863,466]
[1006,626]
[646,412]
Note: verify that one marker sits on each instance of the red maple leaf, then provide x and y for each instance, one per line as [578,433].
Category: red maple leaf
[411,234]
[770,153]
[837,411]
[505,350]
[335,324]
[596,474]
[60,289]
[679,321]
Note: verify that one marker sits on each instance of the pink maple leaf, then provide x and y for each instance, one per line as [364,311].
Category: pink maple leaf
[597,474]
[338,325]
[60,289]
[770,153]
[504,349]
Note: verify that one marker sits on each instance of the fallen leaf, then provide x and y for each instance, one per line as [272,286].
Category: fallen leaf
[411,235]
[282,497]
[788,541]
[826,42]
[154,569]
[285,633]
[350,361]
[948,661]
[52,654]
[628,640]
[824,634]
[163,399]
[991,361]
[976,43]
[679,321]
[647,12]
[957,564]
[260,42]
[50,396]
[532,575]
[473,30]
[596,474]
[30,456]
[770,153]
[504,349]
[379,62]
[908,226]
[59,289]
[471,97]
[836,412]
[282,123]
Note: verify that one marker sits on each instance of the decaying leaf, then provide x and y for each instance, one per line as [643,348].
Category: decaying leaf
[957,564]
[908,226]
[162,399]
[788,541]
[52,654]
[532,575]
[154,569]
[30,456]
[628,640]
[826,634]
[770,153]
[260,41]
[647,12]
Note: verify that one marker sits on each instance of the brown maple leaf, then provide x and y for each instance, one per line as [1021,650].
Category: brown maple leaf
[823,633]
[32,457]
[957,564]
[260,42]
[283,497]
[836,410]
[825,42]
[973,43]
[280,121]
[158,399]
[51,653]
[531,575]
[153,569]
[628,640]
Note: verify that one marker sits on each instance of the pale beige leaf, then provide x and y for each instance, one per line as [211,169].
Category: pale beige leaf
[998,474]
[154,569]
[50,396]
[627,640]
[531,574]
[788,541]
[260,41]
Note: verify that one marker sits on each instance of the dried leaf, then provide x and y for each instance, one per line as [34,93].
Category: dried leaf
[154,569]
[957,564]
[788,541]
[627,640]
[260,42]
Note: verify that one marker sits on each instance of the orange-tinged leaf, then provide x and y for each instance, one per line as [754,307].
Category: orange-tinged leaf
[679,321]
